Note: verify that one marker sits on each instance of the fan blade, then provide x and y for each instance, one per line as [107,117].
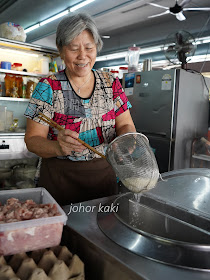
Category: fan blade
[196,9]
[184,3]
[159,6]
[158,15]
[180,16]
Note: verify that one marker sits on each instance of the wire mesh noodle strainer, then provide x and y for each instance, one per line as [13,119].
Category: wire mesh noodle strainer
[133,161]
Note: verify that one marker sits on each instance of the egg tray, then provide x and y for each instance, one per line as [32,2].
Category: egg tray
[56,263]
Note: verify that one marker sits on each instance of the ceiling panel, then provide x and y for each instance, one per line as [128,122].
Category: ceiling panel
[126,21]
[4,4]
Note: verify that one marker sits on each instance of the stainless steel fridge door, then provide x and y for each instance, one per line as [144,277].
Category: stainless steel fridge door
[163,150]
[191,115]
[153,102]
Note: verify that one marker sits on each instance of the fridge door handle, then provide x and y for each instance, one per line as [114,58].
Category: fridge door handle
[157,134]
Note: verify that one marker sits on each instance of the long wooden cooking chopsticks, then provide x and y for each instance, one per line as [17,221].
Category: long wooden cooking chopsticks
[58,127]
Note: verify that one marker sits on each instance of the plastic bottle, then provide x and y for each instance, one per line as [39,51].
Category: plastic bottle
[7,85]
[53,66]
[13,87]
[30,88]
[1,84]
[19,85]
[44,66]
[1,89]
[24,87]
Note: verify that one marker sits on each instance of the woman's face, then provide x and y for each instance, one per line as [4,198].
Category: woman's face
[80,55]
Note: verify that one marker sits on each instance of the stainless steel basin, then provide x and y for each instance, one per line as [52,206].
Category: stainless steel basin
[169,224]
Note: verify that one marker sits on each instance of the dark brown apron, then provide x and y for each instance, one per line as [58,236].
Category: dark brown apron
[76,181]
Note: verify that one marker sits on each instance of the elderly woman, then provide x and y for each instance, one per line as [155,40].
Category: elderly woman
[90,105]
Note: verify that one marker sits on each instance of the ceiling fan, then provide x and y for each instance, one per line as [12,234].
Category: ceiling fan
[177,10]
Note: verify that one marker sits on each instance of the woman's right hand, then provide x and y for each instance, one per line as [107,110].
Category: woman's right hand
[68,143]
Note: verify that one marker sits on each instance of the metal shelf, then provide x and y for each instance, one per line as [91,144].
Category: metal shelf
[22,73]
[5,43]
[8,133]
[14,99]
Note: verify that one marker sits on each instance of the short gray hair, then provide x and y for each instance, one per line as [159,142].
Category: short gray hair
[71,26]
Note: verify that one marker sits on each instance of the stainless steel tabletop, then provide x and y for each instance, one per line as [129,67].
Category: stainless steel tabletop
[83,228]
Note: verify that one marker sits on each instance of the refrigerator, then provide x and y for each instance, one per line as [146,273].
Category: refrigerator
[171,107]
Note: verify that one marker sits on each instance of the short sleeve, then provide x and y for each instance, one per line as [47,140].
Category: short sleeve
[121,103]
[41,101]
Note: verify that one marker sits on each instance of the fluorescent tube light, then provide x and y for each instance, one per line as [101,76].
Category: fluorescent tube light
[32,28]
[74,8]
[197,42]
[151,50]
[82,4]
[54,17]
[206,40]
[202,40]
[123,54]
[111,56]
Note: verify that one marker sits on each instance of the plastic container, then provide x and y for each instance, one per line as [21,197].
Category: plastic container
[24,172]
[30,87]
[133,58]
[2,86]
[17,66]
[122,70]
[7,85]
[5,173]
[6,65]
[44,66]
[3,111]
[29,235]
[13,87]
[19,85]
[9,119]
[1,89]
[10,86]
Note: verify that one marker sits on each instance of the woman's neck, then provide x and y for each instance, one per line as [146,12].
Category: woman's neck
[83,86]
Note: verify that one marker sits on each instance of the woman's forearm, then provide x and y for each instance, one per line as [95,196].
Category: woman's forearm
[43,147]
[125,129]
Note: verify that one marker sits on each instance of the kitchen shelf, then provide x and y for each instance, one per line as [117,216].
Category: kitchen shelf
[5,43]
[14,99]
[22,73]
[19,132]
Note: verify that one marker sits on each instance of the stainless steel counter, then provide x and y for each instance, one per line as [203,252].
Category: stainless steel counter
[104,259]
